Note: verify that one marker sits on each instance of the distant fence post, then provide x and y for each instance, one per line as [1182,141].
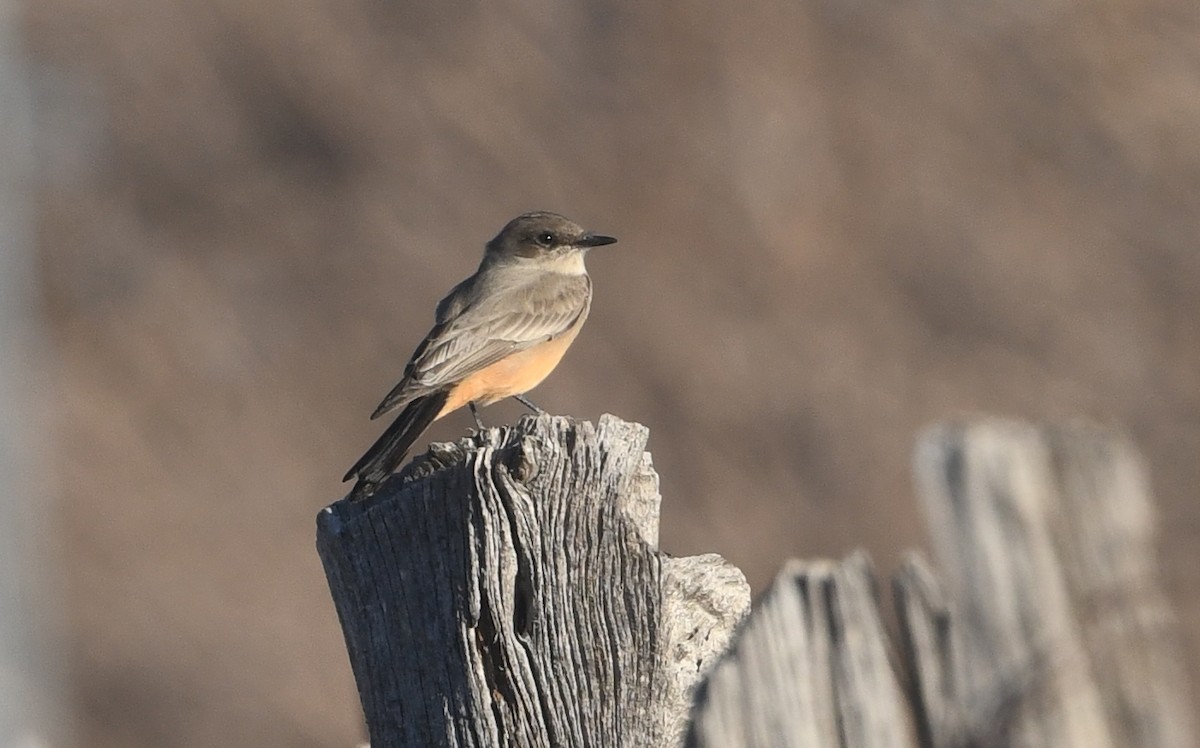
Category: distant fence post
[1061,633]
[810,668]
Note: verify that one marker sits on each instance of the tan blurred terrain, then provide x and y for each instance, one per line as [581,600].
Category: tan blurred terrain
[839,222]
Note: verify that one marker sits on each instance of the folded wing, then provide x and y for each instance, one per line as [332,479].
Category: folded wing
[488,331]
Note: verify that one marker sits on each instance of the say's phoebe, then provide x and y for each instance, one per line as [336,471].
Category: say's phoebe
[498,334]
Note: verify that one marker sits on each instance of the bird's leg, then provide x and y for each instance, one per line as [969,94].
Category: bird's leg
[475,413]
[529,404]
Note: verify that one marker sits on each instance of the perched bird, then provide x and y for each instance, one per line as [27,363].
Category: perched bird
[497,334]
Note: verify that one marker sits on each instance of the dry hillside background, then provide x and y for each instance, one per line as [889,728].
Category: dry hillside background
[840,221]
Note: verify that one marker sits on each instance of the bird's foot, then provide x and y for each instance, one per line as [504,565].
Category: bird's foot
[529,404]
[475,415]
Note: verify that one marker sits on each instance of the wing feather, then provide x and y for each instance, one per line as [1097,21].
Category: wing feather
[486,330]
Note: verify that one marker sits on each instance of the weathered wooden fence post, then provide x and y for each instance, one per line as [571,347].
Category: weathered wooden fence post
[1051,630]
[1056,630]
[508,591]
[810,668]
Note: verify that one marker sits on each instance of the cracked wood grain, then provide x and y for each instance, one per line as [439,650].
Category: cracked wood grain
[507,590]
[810,668]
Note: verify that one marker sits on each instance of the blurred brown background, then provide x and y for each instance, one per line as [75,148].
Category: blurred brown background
[839,222]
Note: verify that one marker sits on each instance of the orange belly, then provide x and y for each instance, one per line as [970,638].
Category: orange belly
[515,375]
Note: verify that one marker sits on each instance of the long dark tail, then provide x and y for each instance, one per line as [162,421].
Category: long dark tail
[385,455]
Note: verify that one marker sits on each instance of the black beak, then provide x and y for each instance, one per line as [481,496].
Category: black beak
[590,240]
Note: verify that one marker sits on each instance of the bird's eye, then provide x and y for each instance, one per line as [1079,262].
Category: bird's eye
[545,239]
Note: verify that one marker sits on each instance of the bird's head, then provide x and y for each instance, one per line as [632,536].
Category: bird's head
[543,235]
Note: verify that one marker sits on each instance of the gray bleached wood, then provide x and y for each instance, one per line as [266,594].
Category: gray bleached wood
[987,490]
[506,590]
[929,650]
[1105,530]
[1051,629]
[810,668]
